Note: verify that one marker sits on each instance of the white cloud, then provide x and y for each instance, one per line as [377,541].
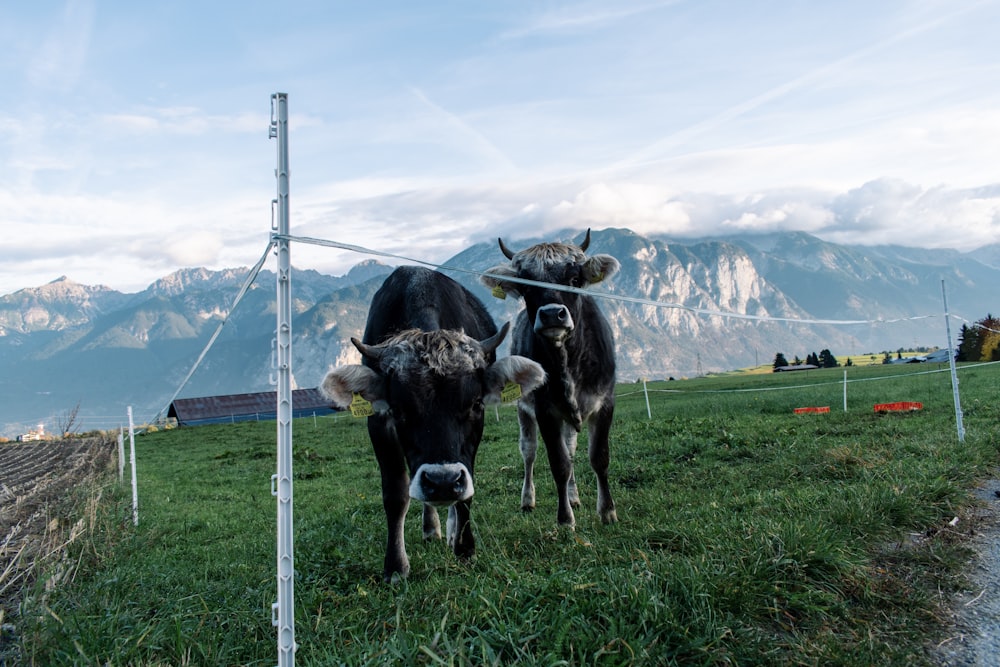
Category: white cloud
[129,150]
[62,55]
[183,121]
[583,16]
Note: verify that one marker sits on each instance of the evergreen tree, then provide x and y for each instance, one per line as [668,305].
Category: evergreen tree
[968,343]
[812,359]
[779,361]
[827,360]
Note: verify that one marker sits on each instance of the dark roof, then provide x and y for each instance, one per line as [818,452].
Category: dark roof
[800,367]
[246,407]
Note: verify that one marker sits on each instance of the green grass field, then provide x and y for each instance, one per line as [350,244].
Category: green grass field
[747,536]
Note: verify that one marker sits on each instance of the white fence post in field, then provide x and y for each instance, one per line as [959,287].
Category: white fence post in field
[951,362]
[845,390]
[135,482]
[283,611]
[649,412]
[121,454]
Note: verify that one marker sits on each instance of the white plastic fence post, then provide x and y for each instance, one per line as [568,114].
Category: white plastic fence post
[121,454]
[135,481]
[283,611]
[845,391]
[649,413]
[954,375]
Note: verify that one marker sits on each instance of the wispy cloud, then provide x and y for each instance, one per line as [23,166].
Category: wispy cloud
[136,140]
[62,55]
[465,136]
[183,121]
[667,147]
[581,17]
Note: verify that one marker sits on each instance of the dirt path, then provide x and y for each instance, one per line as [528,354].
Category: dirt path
[974,640]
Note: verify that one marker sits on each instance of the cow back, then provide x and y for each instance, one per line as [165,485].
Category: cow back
[417,298]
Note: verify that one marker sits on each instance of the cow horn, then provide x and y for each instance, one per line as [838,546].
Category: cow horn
[505,250]
[493,342]
[373,352]
[586,241]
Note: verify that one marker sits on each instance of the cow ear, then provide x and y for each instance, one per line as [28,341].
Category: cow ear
[513,369]
[498,286]
[342,383]
[600,267]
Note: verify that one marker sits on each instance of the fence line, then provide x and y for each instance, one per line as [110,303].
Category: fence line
[806,386]
[596,293]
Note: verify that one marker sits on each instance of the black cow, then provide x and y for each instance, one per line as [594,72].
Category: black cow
[429,367]
[567,334]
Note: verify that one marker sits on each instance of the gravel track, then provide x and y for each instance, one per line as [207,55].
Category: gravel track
[974,638]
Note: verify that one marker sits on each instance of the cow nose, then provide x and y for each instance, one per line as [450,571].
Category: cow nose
[444,484]
[554,316]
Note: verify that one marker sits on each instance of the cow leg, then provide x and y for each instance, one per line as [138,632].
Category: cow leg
[600,456]
[561,466]
[460,537]
[395,501]
[529,448]
[569,436]
[432,524]
[395,498]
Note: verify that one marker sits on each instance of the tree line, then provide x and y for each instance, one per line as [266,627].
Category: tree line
[824,359]
[979,342]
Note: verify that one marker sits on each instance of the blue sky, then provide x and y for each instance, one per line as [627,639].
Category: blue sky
[135,140]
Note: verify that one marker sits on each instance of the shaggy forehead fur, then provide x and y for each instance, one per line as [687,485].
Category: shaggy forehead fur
[536,259]
[443,352]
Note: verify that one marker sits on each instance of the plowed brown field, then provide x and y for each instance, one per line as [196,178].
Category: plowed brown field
[38,513]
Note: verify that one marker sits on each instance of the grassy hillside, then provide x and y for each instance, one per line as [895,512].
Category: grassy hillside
[747,536]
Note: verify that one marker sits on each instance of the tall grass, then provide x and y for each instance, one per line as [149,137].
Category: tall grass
[748,536]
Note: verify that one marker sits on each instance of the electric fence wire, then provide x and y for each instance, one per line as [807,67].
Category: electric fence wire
[252,275]
[604,295]
[838,383]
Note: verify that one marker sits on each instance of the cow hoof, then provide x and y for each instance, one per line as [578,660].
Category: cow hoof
[568,524]
[396,576]
[610,516]
[465,549]
[527,508]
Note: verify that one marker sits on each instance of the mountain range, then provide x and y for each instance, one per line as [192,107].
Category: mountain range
[678,308]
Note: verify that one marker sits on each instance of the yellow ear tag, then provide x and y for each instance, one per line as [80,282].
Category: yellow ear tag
[360,407]
[511,392]
[499,293]
[596,279]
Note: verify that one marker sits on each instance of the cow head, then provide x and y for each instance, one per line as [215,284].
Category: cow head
[553,313]
[428,390]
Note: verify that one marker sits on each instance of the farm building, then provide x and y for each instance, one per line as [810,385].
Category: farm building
[800,367]
[32,435]
[245,407]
